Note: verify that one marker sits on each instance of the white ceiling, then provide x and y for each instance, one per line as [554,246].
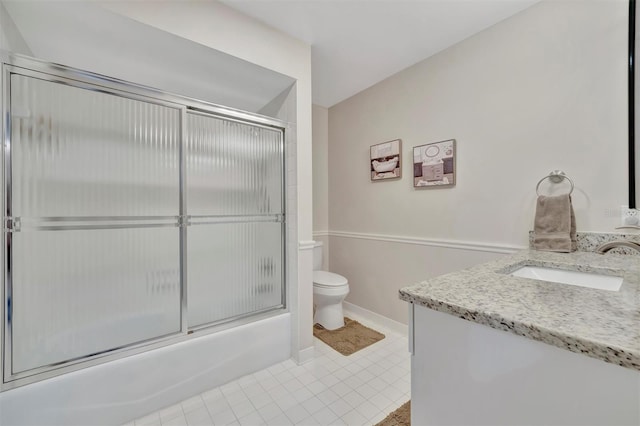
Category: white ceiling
[357,43]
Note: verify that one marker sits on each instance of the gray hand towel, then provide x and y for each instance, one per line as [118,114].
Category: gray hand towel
[554,227]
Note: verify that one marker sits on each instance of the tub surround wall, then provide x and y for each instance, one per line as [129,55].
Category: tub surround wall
[544,89]
[10,37]
[68,33]
[283,106]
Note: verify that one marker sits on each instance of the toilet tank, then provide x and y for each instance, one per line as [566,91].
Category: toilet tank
[317,256]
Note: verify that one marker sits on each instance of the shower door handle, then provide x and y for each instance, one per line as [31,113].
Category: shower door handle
[12,224]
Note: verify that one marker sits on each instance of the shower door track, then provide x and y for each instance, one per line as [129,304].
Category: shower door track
[30,67]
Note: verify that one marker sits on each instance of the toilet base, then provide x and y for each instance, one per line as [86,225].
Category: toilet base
[329,316]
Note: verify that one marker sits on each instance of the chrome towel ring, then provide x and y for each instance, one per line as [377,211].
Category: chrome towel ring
[555,176]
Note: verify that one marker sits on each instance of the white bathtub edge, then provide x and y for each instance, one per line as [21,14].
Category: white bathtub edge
[120,391]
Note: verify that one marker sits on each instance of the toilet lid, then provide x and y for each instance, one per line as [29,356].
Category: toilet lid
[328,279]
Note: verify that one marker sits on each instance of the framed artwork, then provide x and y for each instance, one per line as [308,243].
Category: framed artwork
[386,162]
[434,164]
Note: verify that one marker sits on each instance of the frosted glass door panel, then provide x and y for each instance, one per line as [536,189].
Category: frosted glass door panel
[232,168]
[81,292]
[233,269]
[79,152]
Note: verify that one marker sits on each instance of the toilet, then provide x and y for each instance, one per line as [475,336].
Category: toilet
[329,290]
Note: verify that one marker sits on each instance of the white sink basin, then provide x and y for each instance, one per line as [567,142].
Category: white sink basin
[581,279]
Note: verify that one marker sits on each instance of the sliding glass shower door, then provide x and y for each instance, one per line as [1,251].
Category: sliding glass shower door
[94,201]
[235,207]
[132,218]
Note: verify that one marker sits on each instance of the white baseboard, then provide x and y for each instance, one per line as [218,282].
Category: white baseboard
[357,313]
[305,356]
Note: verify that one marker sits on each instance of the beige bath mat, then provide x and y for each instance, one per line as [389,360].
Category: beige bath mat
[348,339]
[400,417]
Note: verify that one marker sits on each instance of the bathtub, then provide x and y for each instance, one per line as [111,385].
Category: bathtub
[119,391]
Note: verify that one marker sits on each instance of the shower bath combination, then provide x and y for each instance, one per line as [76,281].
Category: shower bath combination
[134,218]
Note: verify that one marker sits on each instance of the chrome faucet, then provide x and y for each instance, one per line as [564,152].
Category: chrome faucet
[603,248]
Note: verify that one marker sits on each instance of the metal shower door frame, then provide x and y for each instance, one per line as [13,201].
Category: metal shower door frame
[30,67]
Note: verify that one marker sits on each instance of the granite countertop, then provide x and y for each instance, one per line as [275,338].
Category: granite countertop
[599,323]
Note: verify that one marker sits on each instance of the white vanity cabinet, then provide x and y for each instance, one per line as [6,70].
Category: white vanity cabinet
[493,348]
[464,373]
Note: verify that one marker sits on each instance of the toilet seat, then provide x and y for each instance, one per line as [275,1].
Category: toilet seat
[328,279]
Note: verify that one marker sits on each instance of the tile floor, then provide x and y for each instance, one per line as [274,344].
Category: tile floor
[333,389]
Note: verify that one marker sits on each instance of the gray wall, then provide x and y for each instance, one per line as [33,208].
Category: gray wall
[543,90]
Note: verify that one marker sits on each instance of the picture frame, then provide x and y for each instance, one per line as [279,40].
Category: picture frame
[385,160]
[434,164]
